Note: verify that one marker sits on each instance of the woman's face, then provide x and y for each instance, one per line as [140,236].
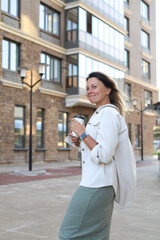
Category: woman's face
[97,93]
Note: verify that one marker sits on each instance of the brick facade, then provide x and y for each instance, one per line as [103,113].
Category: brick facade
[32,43]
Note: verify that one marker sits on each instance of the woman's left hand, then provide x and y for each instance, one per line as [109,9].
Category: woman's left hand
[77,127]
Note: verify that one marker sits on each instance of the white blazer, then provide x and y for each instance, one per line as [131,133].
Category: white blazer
[104,165]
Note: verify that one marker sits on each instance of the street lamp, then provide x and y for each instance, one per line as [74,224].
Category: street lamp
[23,71]
[141,110]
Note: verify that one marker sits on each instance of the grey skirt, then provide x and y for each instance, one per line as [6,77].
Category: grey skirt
[88,216]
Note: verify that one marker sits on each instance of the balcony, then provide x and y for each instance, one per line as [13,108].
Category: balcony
[106,10]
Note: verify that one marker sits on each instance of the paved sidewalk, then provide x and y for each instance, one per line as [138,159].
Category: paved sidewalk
[33,210]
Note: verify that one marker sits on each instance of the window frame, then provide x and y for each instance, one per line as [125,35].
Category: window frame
[126,25]
[9,55]
[127,58]
[42,130]
[45,29]
[24,127]
[9,9]
[71,78]
[147,76]
[64,144]
[145,36]
[71,33]
[144,4]
[52,58]
[147,95]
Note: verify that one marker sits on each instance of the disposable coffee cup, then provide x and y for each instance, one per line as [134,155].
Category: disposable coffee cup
[80,119]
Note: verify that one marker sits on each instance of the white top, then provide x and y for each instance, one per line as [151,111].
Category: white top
[99,167]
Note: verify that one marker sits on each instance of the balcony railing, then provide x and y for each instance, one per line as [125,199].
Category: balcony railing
[91,43]
[106,10]
[76,91]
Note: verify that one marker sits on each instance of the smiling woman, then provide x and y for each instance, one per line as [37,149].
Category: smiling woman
[96,92]
[90,210]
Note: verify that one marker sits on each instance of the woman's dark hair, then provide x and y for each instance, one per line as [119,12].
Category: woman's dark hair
[116,96]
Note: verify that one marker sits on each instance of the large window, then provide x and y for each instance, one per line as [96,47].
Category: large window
[11,7]
[97,36]
[40,128]
[71,25]
[145,40]
[88,65]
[62,129]
[10,55]
[49,20]
[137,136]
[145,67]
[19,127]
[52,69]
[145,10]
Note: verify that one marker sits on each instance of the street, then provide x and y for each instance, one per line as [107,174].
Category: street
[33,210]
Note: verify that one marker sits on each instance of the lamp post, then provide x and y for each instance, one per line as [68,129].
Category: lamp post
[23,71]
[141,110]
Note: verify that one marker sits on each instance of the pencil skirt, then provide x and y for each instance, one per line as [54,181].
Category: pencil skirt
[89,214]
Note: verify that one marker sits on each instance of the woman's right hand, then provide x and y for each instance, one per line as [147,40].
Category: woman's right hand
[75,140]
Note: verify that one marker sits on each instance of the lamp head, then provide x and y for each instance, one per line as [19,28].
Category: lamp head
[134,102]
[41,69]
[23,71]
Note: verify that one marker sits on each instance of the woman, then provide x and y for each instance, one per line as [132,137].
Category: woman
[89,214]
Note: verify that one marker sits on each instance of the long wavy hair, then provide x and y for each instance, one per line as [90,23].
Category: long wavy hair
[116,96]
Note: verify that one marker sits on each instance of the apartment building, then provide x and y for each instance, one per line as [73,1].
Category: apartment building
[73,38]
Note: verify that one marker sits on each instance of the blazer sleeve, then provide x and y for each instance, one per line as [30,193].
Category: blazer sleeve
[107,137]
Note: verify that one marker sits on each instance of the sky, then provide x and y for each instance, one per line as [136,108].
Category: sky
[158,42]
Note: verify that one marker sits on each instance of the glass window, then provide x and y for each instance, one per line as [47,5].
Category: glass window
[56,21]
[126,58]
[145,66]
[82,65]
[62,129]
[19,127]
[147,95]
[41,16]
[101,30]
[145,39]
[40,128]
[72,78]
[10,55]
[89,23]
[11,7]
[82,19]
[95,26]
[49,20]
[72,25]
[88,65]
[53,68]
[145,10]
[137,136]
[126,25]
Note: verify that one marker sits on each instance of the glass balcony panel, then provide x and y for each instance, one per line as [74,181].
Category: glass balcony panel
[95,43]
[82,84]
[82,36]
